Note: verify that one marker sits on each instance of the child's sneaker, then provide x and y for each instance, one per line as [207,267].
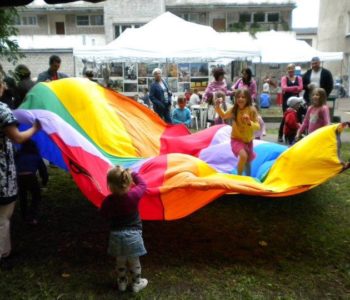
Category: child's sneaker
[122,284]
[136,287]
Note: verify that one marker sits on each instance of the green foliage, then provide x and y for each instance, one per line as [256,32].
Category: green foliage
[237,27]
[242,26]
[9,48]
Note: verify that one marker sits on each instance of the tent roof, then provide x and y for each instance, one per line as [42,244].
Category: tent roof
[170,38]
[167,38]
[279,47]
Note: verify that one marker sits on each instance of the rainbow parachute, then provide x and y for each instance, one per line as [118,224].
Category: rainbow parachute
[87,128]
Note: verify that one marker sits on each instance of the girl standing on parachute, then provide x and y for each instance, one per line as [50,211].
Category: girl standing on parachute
[125,240]
[244,124]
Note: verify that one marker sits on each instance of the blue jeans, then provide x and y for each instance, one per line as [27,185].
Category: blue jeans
[126,242]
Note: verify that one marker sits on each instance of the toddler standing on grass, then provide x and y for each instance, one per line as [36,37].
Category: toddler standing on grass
[125,240]
[244,124]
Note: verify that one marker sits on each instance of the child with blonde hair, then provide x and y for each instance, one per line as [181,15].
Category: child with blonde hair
[125,240]
[244,124]
[317,114]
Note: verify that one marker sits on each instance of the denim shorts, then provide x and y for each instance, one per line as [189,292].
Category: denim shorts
[127,242]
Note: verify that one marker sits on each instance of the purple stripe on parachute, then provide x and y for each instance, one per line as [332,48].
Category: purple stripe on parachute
[53,124]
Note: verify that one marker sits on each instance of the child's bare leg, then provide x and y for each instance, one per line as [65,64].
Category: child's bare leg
[247,168]
[241,161]
[135,268]
[138,283]
[121,273]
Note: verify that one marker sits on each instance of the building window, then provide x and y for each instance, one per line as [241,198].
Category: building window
[96,20]
[245,18]
[82,20]
[92,20]
[119,28]
[26,20]
[273,17]
[259,18]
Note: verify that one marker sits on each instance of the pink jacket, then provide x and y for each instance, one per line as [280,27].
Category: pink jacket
[316,117]
[251,88]
[291,89]
[216,86]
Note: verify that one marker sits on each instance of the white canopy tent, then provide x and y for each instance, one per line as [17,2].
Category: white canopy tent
[279,47]
[169,38]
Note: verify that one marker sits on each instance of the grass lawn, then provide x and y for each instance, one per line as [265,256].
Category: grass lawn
[272,111]
[238,247]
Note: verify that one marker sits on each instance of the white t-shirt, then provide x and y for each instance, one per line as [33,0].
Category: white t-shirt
[165,90]
[194,100]
[266,88]
[315,78]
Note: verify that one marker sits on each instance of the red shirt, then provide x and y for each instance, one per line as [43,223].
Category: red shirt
[291,124]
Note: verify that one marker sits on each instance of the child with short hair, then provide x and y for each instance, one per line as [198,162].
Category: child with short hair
[181,114]
[317,114]
[125,241]
[28,163]
[244,124]
[291,123]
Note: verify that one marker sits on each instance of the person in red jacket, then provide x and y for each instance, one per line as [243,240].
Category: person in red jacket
[291,123]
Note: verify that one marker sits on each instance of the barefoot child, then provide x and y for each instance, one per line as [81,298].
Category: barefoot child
[125,240]
[244,124]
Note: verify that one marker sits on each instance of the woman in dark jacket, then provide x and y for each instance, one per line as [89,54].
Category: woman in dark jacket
[160,95]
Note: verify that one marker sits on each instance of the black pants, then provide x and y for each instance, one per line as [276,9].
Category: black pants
[29,183]
[290,139]
[164,113]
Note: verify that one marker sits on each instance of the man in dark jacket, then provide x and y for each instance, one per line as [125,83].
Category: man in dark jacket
[160,95]
[52,73]
[317,77]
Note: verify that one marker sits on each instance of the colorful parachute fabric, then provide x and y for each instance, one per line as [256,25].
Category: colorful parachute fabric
[86,129]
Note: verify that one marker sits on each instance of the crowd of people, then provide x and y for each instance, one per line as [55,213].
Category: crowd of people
[19,166]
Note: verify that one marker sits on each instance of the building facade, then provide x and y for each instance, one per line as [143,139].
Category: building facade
[56,29]
[334,35]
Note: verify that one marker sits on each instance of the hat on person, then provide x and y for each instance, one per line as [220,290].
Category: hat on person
[315,59]
[292,101]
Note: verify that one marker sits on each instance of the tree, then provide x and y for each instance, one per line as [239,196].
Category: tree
[9,48]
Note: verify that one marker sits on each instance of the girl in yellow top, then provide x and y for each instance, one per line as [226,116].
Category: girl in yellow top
[244,124]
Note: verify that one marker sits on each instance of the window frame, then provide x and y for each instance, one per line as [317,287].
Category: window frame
[89,17]
[26,17]
[126,25]
[273,13]
[245,13]
[260,14]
